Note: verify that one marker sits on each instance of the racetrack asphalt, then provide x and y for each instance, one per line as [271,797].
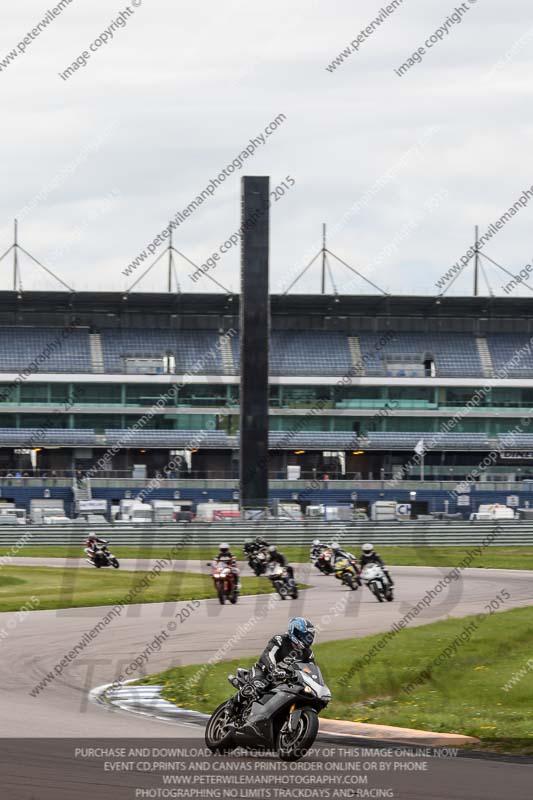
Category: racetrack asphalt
[33,646]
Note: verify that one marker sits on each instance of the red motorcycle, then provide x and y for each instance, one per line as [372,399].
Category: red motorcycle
[324,562]
[225,583]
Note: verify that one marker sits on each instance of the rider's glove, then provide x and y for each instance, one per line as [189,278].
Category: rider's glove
[279,674]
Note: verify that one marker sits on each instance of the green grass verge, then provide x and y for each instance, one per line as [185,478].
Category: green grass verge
[463,695]
[74,588]
[421,556]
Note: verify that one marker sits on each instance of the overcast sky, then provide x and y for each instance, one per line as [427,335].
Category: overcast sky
[400,168]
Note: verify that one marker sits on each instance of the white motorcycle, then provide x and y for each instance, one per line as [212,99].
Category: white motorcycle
[374,577]
[283,584]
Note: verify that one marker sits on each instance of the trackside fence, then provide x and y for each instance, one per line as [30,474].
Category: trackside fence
[408,533]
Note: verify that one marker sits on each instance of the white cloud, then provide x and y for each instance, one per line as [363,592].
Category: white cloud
[188,85]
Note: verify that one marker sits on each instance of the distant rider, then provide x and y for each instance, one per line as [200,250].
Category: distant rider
[266,672]
[339,553]
[253,546]
[275,557]
[369,556]
[249,548]
[91,545]
[316,549]
[260,542]
[225,556]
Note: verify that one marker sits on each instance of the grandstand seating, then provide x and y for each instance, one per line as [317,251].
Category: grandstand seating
[44,349]
[279,440]
[193,351]
[408,441]
[30,437]
[170,438]
[298,353]
[340,440]
[508,347]
[309,353]
[454,354]
[510,441]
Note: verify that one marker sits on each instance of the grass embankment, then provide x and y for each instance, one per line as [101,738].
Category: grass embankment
[74,588]
[464,693]
[414,556]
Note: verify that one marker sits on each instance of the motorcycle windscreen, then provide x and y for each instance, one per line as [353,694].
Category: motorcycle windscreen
[313,670]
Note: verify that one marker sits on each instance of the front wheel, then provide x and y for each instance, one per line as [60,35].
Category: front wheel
[217,736]
[376,590]
[350,581]
[282,590]
[293,745]
[114,563]
[221,594]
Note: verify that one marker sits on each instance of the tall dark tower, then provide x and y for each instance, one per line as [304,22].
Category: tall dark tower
[254,333]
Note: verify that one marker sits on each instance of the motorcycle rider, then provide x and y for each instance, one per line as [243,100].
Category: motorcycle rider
[91,545]
[260,542]
[225,556]
[252,546]
[275,557]
[369,556]
[266,672]
[316,548]
[339,553]
[249,547]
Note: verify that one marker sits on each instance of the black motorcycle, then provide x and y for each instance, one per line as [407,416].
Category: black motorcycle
[258,561]
[103,558]
[284,719]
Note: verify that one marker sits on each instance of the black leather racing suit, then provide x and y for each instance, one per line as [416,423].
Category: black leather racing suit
[315,551]
[251,548]
[262,675]
[279,558]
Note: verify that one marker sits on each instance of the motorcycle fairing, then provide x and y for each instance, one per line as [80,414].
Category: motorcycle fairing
[260,721]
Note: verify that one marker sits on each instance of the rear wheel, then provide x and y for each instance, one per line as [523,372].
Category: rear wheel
[218,737]
[293,745]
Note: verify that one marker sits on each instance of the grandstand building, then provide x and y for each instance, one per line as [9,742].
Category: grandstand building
[116,386]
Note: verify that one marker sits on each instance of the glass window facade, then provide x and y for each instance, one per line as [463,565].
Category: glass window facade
[381,402]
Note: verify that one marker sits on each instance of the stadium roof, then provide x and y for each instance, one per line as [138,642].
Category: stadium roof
[118,303]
